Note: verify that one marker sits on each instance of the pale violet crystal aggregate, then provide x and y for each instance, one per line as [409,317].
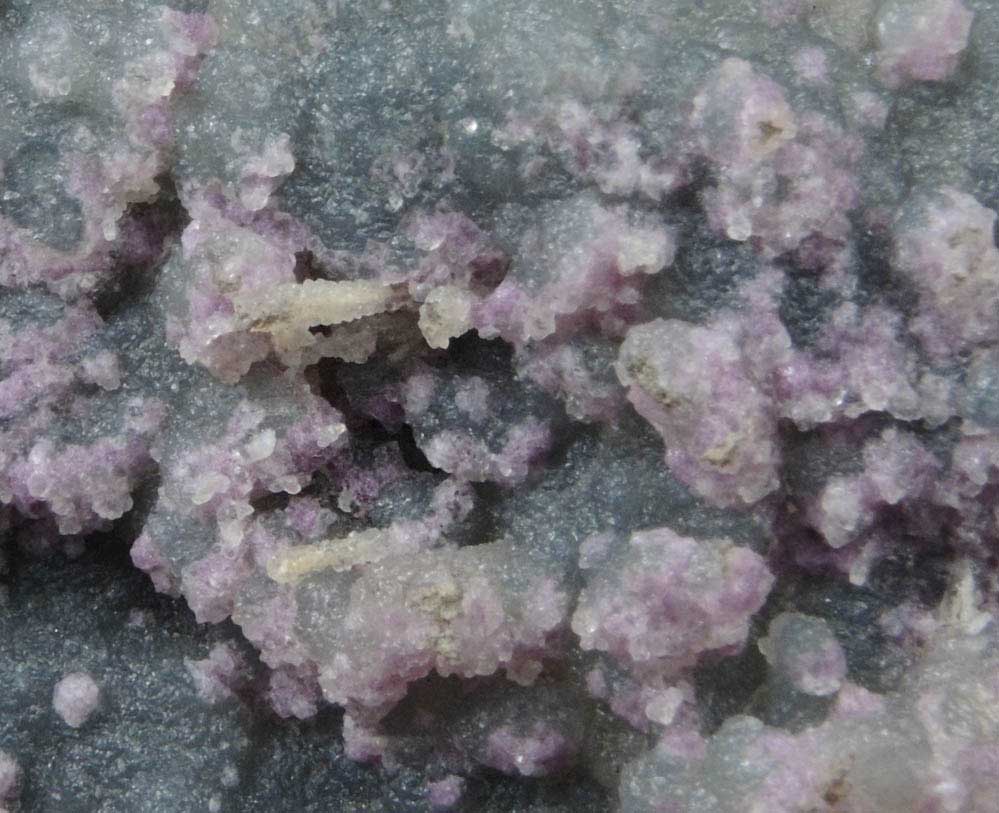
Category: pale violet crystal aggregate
[523,406]
[75,698]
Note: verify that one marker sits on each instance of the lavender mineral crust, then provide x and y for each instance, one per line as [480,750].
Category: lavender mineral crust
[542,406]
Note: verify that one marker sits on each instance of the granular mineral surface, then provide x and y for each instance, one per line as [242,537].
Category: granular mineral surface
[537,405]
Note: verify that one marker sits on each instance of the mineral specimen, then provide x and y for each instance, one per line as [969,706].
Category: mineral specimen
[75,698]
[534,405]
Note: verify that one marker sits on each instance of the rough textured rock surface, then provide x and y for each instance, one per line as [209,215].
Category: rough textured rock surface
[460,405]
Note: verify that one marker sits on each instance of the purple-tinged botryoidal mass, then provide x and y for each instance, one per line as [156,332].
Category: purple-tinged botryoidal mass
[446,793]
[668,598]
[692,383]
[463,614]
[75,698]
[803,651]
[898,469]
[75,443]
[271,442]
[112,158]
[921,40]
[575,263]
[894,752]
[786,179]
[585,406]
[945,248]
[219,676]
[233,296]
[580,373]
[469,426]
